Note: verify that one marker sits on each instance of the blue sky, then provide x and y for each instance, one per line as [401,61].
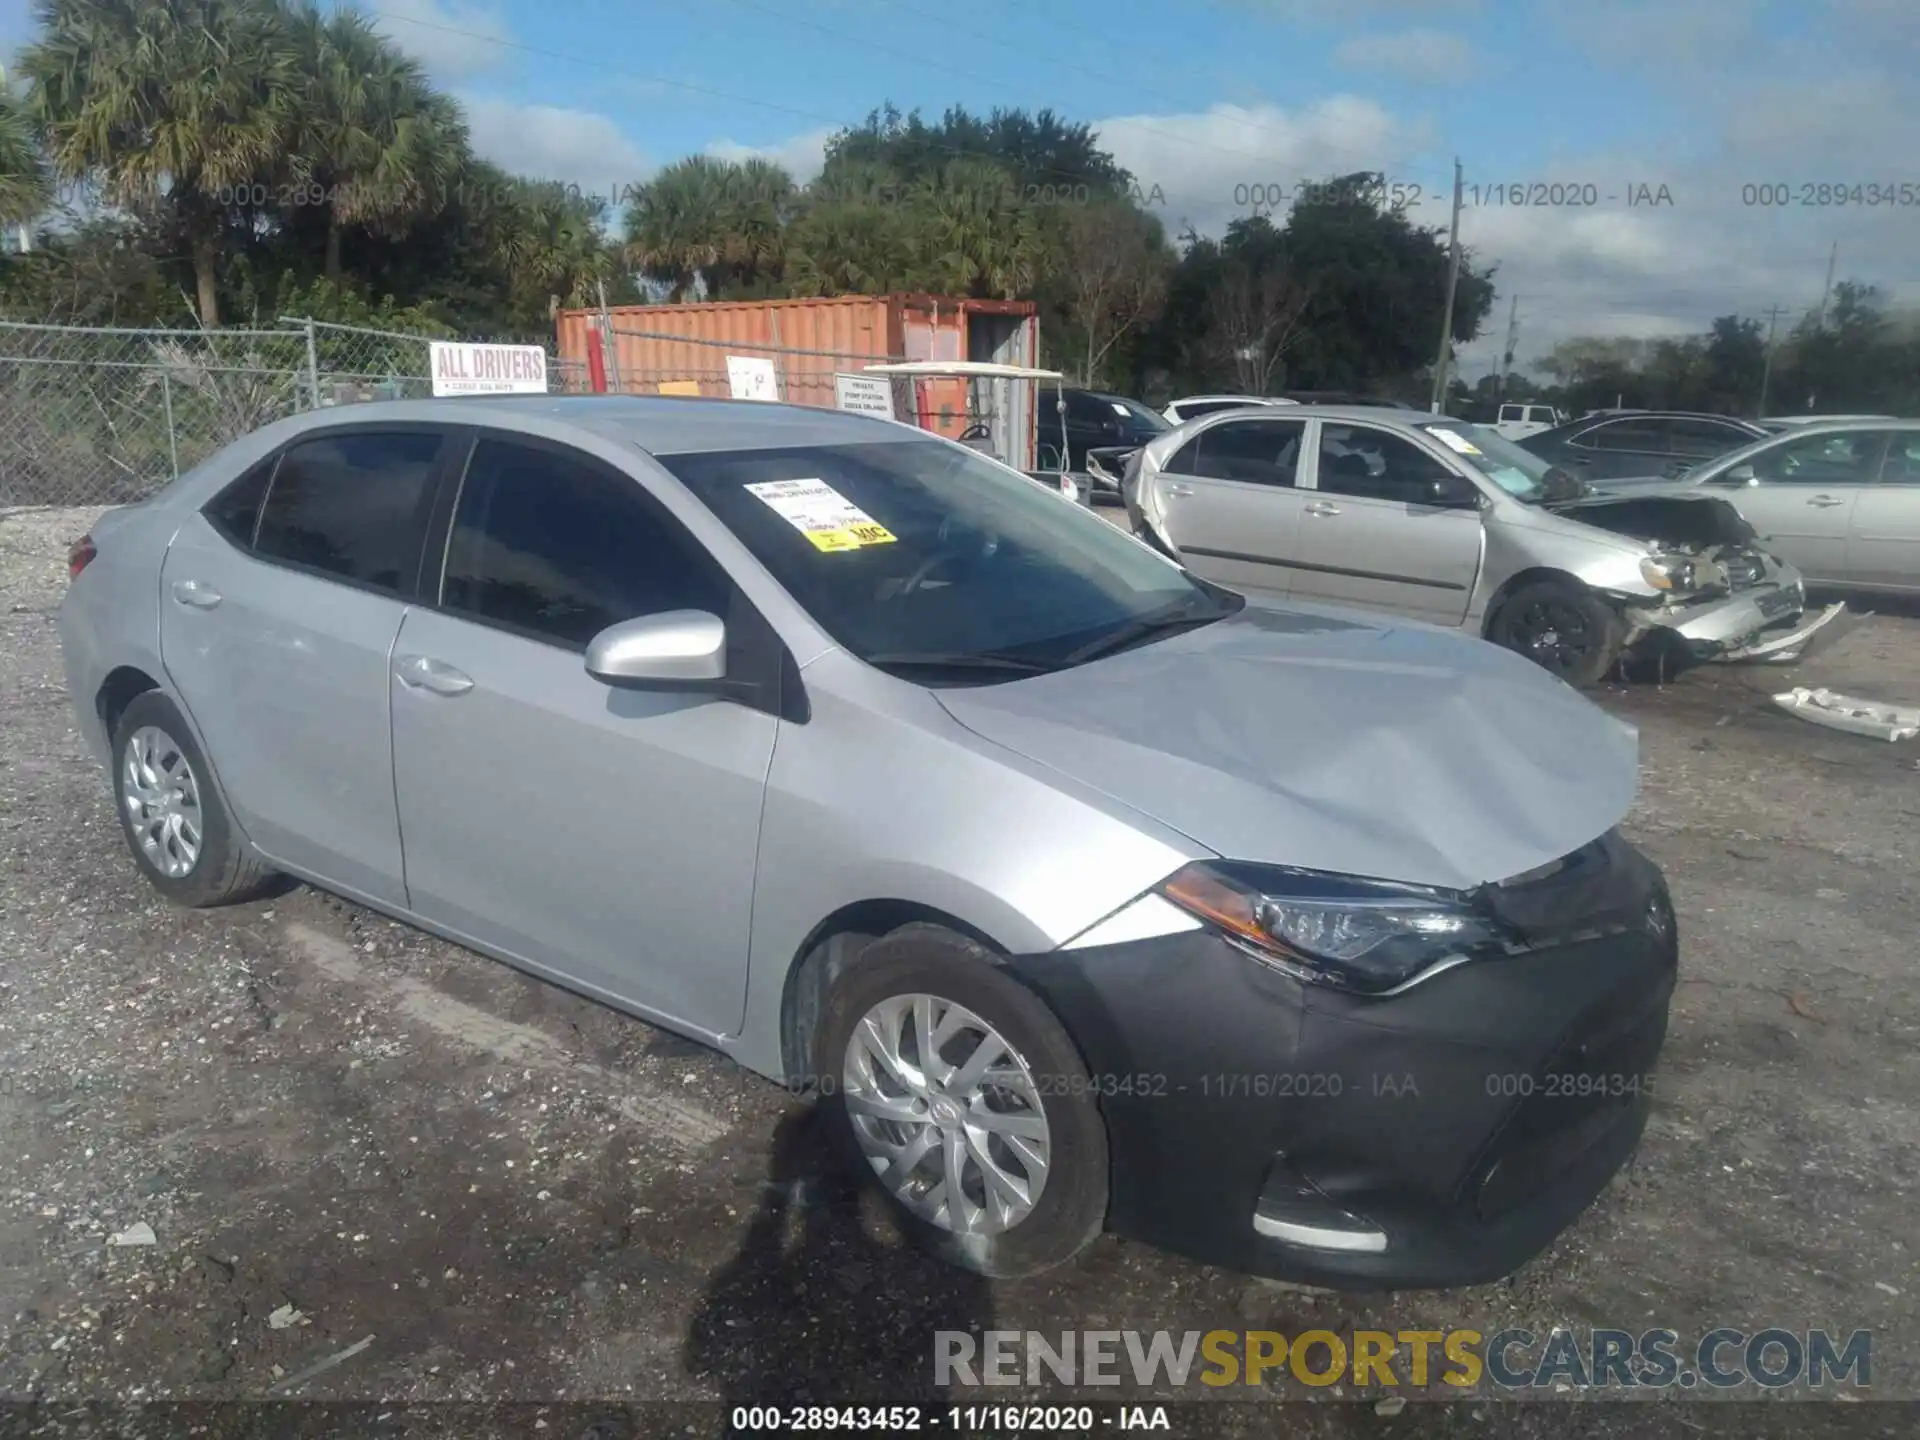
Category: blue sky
[1206,98]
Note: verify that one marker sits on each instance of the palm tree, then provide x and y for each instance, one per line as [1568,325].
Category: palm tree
[377,145]
[549,235]
[24,191]
[973,230]
[677,226]
[760,203]
[184,102]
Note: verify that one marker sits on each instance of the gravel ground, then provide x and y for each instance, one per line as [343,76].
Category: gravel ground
[339,1130]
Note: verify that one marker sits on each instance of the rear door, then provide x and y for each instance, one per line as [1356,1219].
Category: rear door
[278,614]
[1618,449]
[1231,503]
[1803,502]
[1368,536]
[1883,537]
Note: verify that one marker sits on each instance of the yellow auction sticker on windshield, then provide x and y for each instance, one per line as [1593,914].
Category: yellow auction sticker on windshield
[822,514]
[1455,441]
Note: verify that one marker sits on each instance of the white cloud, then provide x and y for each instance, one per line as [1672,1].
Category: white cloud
[452,40]
[1205,168]
[1426,56]
[801,157]
[545,142]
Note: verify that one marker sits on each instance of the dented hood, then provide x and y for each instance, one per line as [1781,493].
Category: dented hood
[1317,738]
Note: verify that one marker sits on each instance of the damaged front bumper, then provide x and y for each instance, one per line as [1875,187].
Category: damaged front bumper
[1764,618]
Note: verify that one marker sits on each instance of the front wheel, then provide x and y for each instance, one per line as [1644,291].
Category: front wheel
[957,1091]
[1562,628]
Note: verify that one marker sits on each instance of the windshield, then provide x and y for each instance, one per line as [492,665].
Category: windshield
[1519,472]
[922,558]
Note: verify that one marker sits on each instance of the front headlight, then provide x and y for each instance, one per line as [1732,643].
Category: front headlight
[1363,936]
[1667,572]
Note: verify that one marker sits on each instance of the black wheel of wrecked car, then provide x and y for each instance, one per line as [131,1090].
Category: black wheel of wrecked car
[960,1095]
[1560,627]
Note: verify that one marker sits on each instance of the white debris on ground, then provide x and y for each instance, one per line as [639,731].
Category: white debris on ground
[1845,712]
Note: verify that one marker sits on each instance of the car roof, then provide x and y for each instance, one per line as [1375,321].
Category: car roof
[1371,414]
[1215,399]
[660,425]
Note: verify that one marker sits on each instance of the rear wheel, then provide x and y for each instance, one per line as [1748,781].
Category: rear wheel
[171,813]
[1562,628]
[959,1093]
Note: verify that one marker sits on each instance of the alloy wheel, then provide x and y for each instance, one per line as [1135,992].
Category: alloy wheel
[1555,634]
[162,796]
[946,1112]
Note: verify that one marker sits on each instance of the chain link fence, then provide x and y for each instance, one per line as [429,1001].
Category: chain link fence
[107,416]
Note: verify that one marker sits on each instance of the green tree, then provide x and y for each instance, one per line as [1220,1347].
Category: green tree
[376,146]
[24,192]
[676,227]
[175,102]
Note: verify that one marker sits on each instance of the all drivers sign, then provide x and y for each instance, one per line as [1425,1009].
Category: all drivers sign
[460,368]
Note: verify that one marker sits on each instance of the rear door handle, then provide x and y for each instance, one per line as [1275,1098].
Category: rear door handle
[423,673]
[196,594]
[1825,501]
[1179,490]
[1320,507]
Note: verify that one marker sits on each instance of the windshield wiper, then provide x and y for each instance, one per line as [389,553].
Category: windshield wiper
[958,660]
[1134,632]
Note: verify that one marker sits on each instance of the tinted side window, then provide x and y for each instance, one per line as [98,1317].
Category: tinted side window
[235,511]
[561,548]
[1512,412]
[1850,457]
[1644,436]
[1702,438]
[1903,461]
[1255,452]
[1373,465]
[1083,409]
[352,505]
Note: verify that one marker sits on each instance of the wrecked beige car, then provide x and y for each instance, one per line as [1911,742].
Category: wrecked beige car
[1450,523]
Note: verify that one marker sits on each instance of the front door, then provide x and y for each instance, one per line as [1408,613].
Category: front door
[1802,503]
[605,835]
[1369,536]
[1883,540]
[278,613]
[1231,504]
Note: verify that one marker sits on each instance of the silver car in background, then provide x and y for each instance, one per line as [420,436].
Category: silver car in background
[1838,499]
[1448,522]
[1052,869]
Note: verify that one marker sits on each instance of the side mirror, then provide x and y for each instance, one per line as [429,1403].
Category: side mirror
[681,649]
[1452,493]
[1738,475]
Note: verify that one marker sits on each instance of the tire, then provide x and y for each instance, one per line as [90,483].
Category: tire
[1069,1200]
[1566,630]
[154,739]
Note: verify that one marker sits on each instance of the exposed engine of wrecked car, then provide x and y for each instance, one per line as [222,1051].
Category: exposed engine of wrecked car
[1705,546]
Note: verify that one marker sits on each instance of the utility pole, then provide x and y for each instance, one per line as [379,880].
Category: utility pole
[1506,355]
[1826,292]
[1766,370]
[1453,282]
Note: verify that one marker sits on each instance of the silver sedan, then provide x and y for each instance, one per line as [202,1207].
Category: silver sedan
[1839,499]
[1449,522]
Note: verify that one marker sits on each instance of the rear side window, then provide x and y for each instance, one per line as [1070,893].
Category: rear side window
[1254,452]
[1512,412]
[1644,436]
[235,511]
[558,547]
[352,506]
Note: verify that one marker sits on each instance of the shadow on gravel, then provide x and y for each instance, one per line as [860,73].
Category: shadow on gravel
[813,1309]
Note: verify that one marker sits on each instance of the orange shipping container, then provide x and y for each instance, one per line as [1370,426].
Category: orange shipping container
[684,349]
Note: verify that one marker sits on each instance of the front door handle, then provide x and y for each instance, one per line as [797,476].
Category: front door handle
[1179,490]
[196,594]
[1825,501]
[1320,507]
[423,673]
